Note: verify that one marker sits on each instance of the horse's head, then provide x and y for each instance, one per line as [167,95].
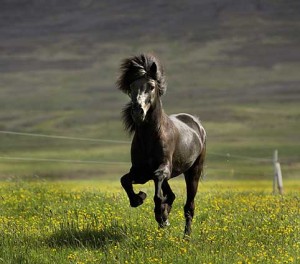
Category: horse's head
[143,93]
[143,80]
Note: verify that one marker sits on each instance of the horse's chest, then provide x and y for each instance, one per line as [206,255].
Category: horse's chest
[150,154]
[154,154]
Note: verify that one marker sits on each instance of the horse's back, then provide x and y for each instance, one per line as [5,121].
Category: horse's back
[192,122]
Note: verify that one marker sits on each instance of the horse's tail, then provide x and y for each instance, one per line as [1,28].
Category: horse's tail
[203,139]
[202,160]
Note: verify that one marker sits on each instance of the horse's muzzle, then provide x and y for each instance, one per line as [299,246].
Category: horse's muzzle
[137,114]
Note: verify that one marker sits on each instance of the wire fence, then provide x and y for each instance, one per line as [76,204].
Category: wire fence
[111,141]
[9,158]
[64,137]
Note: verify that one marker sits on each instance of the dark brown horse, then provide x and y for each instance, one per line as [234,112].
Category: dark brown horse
[163,146]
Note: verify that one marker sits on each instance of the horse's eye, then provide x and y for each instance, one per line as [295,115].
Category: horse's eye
[152,87]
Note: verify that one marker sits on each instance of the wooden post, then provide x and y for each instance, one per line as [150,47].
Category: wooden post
[275,157]
[277,180]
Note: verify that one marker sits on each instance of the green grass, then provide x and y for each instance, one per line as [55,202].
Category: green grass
[91,222]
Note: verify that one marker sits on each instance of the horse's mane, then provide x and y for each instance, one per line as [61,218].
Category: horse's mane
[141,66]
[134,68]
[129,124]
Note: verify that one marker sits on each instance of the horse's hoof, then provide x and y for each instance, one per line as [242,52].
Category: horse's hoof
[138,199]
[137,202]
[186,237]
[187,233]
[142,195]
[164,224]
[167,223]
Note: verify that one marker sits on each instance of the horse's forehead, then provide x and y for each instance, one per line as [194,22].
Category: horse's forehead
[141,83]
[138,83]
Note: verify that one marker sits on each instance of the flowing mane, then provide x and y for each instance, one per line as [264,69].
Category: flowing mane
[133,69]
[128,122]
[138,67]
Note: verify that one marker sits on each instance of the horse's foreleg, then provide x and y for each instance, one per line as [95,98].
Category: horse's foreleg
[166,206]
[135,199]
[161,175]
[169,195]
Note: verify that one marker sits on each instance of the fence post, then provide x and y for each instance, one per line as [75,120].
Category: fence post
[275,158]
[277,180]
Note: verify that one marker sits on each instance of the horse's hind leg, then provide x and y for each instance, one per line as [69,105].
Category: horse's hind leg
[192,177]
[135,199]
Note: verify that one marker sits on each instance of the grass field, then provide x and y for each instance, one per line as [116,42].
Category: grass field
[91,222]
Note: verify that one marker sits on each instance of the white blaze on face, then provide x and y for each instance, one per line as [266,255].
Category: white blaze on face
[142,99]
[142,94]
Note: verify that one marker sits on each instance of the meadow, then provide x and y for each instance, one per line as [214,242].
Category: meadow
[91,222]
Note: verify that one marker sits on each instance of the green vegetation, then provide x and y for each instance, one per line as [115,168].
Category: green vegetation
[237,69]
[91,222]
[233,64]
[247,111]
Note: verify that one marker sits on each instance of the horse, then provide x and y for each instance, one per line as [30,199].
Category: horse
[163,146]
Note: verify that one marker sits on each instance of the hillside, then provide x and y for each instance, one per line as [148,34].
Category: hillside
[233,63]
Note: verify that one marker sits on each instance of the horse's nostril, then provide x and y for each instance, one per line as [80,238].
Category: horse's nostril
[140,111]
[137,108]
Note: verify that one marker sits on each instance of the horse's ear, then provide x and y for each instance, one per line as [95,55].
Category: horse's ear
[153,71]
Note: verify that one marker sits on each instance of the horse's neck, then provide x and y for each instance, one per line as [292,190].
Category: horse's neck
[154,122]
[157,115]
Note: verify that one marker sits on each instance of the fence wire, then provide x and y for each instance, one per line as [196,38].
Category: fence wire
[112,141]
